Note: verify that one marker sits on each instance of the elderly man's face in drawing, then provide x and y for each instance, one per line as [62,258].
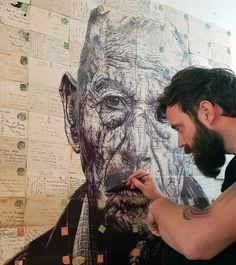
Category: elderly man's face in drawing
[119,124]
[110,116]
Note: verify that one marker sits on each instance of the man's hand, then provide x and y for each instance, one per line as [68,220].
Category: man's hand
[147,185]
[152,225]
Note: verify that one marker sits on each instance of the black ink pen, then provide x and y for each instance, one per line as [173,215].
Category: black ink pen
[138,177]
[122,184]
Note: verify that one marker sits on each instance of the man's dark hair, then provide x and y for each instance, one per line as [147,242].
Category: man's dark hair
[193,84]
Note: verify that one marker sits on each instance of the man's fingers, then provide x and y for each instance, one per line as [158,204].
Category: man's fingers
[137,173]
[138,184]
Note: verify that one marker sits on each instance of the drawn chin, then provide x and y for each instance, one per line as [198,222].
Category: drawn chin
[126,210]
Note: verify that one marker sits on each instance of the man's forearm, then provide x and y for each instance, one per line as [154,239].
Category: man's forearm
[178,225]
[196,233]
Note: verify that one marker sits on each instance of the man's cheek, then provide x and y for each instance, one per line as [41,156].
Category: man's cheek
[90,128]
[112,119]
[116,170]
[115,140]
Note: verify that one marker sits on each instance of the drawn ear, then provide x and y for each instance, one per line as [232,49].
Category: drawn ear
[67,92]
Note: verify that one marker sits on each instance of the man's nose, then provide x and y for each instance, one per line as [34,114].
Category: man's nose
[136,159]
[181,142]
[140,152]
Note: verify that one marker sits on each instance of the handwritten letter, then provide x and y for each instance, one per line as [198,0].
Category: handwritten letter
[12,212]
[13,151]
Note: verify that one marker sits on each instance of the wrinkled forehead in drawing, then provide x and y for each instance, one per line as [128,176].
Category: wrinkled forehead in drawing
[127,43]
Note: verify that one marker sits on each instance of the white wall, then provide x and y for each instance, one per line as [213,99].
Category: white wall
[219,12]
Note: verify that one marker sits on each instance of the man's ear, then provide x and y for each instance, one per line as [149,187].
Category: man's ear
[206,113]
[67,92]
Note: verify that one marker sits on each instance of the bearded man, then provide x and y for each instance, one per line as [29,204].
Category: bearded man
[200,104]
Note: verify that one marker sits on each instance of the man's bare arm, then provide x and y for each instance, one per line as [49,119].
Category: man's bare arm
[197,233]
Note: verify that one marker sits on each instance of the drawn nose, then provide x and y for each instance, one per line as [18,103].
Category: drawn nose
[136,159]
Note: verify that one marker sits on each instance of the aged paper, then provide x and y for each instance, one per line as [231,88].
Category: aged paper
[125,6]
[77,38]
[49,48]
[38,98]
[46,128]
[200,36]
[75,52]
[50,73]
[44,100]
[176,21]
[75,162]
[196,60]
[47,155]
[16,14]
[151,10]
[14,123]
[76,174]
[44,211]
[43,182]
[54,104]
[81,8]
[61,7]
[77,31]
[13,94]
[12,240]
[1,10]
[13,66]
[12,212]
[177,18]
[33,232]
[14,39]
[220,36]
[50,23]
[12,181]
[13,151]
[221,55]
[76,181]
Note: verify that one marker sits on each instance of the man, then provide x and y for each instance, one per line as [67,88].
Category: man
[200,104]
[105,112]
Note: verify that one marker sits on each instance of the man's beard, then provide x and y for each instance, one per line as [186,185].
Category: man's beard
[126,208]
[124,217]
[208,150]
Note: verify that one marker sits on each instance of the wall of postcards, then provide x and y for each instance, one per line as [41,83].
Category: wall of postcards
[39,41]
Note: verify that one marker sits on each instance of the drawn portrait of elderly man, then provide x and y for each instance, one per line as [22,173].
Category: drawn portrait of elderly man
[109,121]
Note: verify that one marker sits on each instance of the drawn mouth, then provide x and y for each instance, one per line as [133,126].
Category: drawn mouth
[120,188]
[125,208]
[127,197]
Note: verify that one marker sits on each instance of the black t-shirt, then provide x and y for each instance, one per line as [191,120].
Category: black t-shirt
[230,174]
[226,257]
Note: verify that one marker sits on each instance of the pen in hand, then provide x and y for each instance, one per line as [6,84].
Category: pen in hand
[138,177]
[123,183]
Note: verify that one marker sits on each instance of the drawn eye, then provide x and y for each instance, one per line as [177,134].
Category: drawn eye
[114,102]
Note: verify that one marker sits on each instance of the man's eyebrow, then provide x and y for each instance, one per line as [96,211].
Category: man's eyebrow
[122,88]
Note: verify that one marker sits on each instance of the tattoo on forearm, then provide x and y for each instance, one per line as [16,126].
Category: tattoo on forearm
[195,212]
